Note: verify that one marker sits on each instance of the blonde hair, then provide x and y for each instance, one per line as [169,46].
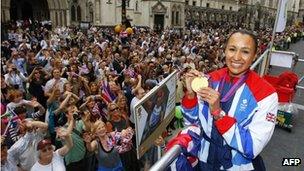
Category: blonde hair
[95,125]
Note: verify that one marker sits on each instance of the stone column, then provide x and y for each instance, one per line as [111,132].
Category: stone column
[5,14]
[97,12]
[67,17]
[53,17]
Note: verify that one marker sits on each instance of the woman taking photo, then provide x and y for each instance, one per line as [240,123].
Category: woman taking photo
[234,116]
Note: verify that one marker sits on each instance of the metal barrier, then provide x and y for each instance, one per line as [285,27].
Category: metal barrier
[259,60]
[167,159]
[301,79]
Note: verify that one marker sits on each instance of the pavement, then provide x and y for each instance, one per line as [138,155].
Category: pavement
[284,144]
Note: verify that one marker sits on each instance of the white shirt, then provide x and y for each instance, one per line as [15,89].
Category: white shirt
[133,102]
[57,164]
[15,79]
[50,84]
[13,105]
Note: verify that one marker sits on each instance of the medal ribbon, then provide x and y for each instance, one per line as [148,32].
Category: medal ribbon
[233,89]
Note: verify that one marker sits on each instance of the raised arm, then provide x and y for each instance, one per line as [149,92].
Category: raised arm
[138,84]
[65,135]
[41,109]
[90,145]
[33,125]
[63,103]
[29,78]
[51,96]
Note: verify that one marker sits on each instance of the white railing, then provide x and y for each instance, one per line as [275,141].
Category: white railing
[258,61]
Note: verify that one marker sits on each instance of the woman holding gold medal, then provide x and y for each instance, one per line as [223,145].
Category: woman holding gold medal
[231,113]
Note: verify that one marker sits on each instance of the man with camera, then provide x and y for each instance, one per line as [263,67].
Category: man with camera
[14,78]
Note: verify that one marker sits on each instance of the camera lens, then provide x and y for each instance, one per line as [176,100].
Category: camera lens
[76,116]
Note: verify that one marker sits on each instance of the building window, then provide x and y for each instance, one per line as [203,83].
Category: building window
[73,14]
[136,6]
[207,5]
[230,8]
[78,13]
[187,2]
[177,18]
[172,18]
[127,3]
[194,3]
[223,6]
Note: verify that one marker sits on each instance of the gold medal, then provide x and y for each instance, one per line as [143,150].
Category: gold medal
[198,83]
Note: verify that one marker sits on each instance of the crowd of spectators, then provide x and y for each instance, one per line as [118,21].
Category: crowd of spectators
[67,92]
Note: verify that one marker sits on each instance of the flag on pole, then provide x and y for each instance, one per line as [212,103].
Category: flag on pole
[282,17]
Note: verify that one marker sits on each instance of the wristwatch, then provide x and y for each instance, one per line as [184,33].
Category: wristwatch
[218,114]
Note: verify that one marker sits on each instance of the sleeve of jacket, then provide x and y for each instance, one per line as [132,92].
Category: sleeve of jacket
[190,110]
[19,147]
[251,137]
[189,140]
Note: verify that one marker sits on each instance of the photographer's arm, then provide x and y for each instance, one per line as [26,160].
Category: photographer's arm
[29,78]
[51,96]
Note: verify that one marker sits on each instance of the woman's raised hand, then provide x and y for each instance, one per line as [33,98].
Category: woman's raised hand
[87,137]
[189,76]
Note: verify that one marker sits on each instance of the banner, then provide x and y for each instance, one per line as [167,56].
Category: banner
[154,112]
[281,59]
[282,17]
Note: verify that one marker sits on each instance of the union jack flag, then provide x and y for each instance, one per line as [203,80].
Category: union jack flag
[271,117]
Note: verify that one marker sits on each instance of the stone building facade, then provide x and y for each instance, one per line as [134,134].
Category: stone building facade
[251,13]
[151,13]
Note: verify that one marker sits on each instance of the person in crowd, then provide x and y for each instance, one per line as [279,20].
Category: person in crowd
[107,147]
[57,80]
[36,84]
[118,120]
[48,158]
[24,150]
[15,78]
[7,164]
[236,106]
[97,73]
[139,94]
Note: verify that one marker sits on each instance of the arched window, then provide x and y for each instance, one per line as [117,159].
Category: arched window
[78,13]
[73,14]
[177,18]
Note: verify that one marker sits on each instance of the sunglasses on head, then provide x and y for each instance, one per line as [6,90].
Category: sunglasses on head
[112,110]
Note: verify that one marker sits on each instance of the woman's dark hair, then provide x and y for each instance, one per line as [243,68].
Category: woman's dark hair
[249,33]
